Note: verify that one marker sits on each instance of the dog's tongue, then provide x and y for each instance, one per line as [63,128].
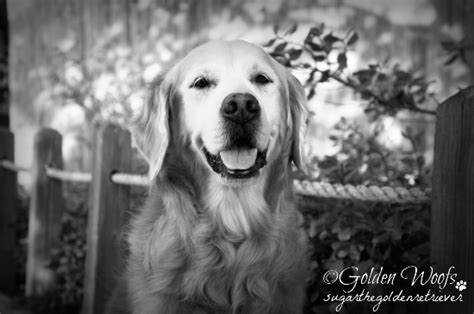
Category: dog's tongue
[239,159]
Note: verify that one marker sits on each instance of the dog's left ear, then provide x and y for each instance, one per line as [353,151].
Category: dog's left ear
[298,113]
[150,129]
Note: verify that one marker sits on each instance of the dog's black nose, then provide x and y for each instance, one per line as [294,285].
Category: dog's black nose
[240,107]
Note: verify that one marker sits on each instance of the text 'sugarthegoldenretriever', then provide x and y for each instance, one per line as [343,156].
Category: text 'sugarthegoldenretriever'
[220,232]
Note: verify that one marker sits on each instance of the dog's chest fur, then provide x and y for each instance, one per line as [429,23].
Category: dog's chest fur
[237,252]
[236,249]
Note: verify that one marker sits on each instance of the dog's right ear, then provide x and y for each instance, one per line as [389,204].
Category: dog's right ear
[150,128]
[299,113]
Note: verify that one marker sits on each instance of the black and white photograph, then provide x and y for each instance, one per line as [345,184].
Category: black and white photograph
[236,157]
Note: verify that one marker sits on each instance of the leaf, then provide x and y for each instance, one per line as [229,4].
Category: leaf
[342,60]
[408,161]
[403,77]
[295,53]
[382,78]
[384,237]
[292,29]
[328,163]
[354,253]
[316,30]
[364,76]
[352,39]
[280,47]
[374,66]
[342,253]
[319,57]
[344,234]
[280,59]
[324,234]
[451,59]
[314,46]
[396,233]
[324,76]
[270,42]
[329,40]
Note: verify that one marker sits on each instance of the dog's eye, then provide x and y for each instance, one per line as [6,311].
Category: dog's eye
[261,79]
[201,83]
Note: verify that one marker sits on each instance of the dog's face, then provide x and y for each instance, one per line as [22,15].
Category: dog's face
[238,109]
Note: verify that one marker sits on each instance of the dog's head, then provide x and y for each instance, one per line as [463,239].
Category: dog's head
[236,107]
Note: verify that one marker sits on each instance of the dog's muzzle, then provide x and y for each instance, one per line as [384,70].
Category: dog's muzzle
[240,158]
[239,163]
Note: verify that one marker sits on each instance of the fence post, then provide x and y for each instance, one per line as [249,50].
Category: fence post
[8,193]
[108,203]
[46,208]
[452,214]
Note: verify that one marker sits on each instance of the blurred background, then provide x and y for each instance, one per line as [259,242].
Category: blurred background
[76,63]
[374,72]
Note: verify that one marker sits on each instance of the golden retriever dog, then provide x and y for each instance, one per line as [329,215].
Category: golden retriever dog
[220,232]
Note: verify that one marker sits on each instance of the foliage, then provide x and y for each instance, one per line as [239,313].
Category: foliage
[323,55]
[362,158]
[364,235]
[68,259]
[456,50]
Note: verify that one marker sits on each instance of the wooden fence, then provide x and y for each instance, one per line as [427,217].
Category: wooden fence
[452,215]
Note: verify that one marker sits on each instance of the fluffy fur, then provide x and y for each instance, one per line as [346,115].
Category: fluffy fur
[205,245]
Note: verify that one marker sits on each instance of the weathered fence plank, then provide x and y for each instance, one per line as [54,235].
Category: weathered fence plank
[46,208]
[109,202]
[8,194]
[4,45]
[452,215]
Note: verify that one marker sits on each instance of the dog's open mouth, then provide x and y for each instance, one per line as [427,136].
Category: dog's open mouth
[237,163]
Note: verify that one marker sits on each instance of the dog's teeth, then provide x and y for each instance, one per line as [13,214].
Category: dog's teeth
[239,159]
